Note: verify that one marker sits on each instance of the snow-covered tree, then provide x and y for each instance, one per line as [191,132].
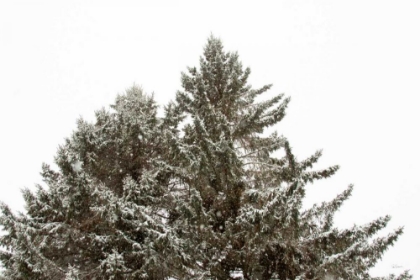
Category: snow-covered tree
[244,212]
[101,215]
[199,193]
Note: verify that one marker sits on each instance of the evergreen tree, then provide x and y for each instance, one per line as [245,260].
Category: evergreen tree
[196,194]
[100,217]
[249,201]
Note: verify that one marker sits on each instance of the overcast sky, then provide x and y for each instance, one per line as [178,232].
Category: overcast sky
[352,69]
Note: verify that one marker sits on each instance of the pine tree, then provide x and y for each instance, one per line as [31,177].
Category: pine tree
[245,205]
[196,194]
[100,217]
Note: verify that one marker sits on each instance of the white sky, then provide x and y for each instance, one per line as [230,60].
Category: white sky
[351,68]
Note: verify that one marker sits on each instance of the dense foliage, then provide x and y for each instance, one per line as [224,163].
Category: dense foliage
[195,194]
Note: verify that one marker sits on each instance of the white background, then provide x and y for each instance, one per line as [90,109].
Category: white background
[351,68]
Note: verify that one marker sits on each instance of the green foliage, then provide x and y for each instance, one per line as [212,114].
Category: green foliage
[195,194]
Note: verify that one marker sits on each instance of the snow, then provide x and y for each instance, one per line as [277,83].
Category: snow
[77,166]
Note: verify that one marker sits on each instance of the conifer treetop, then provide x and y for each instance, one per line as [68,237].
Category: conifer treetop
[200,193]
